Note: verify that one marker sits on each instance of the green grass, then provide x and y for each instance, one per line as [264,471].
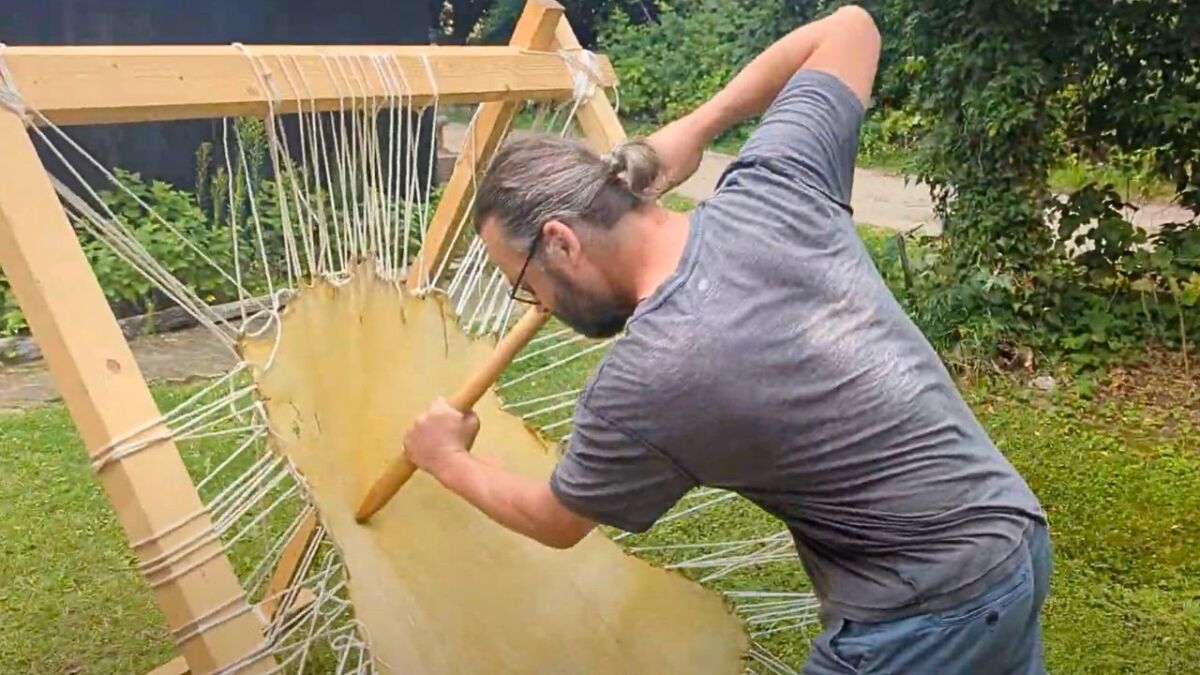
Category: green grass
[69,598]
[1137,185]
[1119,476]
[1120,480]
[678,202]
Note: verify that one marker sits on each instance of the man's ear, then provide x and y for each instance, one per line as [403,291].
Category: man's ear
[562,242]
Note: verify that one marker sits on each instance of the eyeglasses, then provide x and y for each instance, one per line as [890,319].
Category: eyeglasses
[519,293]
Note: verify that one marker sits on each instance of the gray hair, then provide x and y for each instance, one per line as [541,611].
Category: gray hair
[536,179]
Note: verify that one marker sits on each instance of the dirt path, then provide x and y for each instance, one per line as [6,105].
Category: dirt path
[880,198]
[179,356]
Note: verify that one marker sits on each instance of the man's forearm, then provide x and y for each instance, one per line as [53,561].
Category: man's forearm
[520,504]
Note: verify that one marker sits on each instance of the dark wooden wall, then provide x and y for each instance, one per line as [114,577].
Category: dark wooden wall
[165,151]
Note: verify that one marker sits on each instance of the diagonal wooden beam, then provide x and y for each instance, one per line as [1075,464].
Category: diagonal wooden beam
[108,399]
[597,118]
[535,30]
[100,85]
[289,562]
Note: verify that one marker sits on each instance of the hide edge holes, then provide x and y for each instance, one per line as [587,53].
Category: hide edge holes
[296,420]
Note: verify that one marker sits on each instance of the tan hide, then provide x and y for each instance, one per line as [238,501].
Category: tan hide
[440,588]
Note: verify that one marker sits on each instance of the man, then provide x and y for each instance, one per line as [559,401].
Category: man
[764,355]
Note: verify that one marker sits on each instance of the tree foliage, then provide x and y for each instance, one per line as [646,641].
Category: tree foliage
[986,97]
[1003,83]
[492,21]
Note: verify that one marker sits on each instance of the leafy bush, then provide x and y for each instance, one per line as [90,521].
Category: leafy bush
[1000,82]
[128,290]
[669,67]
[997,106]
[124,286]
[500,17]
[192,234]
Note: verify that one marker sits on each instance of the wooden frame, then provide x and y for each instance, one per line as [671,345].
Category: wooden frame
[92,365]
[101,85]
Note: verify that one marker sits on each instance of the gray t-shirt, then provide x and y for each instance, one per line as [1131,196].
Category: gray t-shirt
[776,364]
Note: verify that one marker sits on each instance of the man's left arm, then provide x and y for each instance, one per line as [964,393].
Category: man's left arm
[606,477]
[519,503]
[438,443]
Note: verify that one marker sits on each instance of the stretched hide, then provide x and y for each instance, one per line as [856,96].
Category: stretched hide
[439,587]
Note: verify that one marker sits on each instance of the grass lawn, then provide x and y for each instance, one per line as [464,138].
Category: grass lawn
[1119,474]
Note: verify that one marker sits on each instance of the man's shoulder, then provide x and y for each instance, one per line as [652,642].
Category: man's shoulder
[648,367]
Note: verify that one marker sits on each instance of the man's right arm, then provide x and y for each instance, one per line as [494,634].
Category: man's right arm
[845,44]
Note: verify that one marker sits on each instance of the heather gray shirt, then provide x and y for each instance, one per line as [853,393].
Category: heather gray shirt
[775,363]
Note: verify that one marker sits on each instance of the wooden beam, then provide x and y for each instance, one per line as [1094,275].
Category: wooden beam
[289,562]
[99,85]
[535,30]
[107,397]
[179,666]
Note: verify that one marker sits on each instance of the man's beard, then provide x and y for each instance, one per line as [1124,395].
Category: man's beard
[589,313]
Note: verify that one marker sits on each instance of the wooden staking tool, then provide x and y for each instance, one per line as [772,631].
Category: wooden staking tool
[400,470]
[601,127]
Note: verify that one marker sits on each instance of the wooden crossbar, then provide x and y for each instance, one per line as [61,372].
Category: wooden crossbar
[102,85]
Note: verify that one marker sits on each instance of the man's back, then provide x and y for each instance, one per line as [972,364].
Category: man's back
[776,363]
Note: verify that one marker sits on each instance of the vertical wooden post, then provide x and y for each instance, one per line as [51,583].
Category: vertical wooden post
[535,30]
[106,395]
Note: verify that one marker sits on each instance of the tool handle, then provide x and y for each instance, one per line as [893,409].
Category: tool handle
[463,400]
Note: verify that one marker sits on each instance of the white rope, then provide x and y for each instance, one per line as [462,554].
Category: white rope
[544,399]
[550,408]
[431,167]
[545,350]
[111,178]
[486,301]
[406,174]
[127,247]
[312,136]
[10,96]
[226,611]
[233,456]
[585,72]
[227,509]
[270,88]
[671,517]
[128,443]
[577,355]
[266,567]
[772,663]
[348,230]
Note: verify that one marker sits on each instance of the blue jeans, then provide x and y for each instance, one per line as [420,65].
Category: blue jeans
[997,632]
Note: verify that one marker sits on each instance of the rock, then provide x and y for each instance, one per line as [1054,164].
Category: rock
[1044,383]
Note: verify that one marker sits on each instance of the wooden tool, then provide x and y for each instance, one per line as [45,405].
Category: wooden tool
[400,470]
